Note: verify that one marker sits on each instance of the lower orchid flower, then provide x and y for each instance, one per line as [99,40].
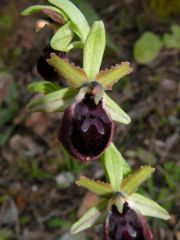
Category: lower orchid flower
[127,225]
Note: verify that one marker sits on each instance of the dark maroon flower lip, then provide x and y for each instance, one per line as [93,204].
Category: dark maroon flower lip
[86,129]
[44,69]
[126,226]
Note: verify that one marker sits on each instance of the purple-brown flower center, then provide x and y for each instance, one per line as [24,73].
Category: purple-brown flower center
[86,129]
[126,226]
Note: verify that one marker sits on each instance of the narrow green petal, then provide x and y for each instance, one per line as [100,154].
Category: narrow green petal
[75,76]
[147,207]
[109,77]
[97,187]
[132,182]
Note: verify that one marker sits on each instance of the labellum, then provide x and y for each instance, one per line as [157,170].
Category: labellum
[86,129]
[44,69]
[126,226]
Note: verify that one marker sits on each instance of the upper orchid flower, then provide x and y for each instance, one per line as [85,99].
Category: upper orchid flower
[87,126]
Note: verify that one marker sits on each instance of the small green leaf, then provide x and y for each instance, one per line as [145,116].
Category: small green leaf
[80,25]
[147,48]
[38,8]
[97,187]
[62,38]
[90,217]
[114,165]
[75,76]
[56,101]
[132,182]
[172,40]
[110,76]
[147,207]
[43,87]
[116,113]
[94,49]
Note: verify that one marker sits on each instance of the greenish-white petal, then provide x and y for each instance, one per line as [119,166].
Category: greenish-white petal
[90,217]
[56,101]
[147,207]
[117,114]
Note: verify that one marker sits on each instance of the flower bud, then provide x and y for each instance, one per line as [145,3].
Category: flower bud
[44,69]
[86,129]
[126,226]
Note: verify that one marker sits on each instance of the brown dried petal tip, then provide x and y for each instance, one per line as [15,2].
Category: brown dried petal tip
[86,129]
[126,226]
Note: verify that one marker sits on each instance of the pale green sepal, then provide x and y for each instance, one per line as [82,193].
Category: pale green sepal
[113,165]
[97,187]
[43,87]
[94,49]
[110,76]
[116,113]
[90,217]
[147,207]
[38,8]
[76,44]
[62,38]
[80,25]
[56,101]
[132,182]
[75,76]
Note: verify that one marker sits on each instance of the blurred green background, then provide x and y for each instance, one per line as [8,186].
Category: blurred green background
[38,197]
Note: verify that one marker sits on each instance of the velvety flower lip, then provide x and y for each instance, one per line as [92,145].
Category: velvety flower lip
[43,68]
[126,226]
[86,129]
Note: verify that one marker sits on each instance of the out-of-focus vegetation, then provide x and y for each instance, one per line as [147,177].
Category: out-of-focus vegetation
[38,199]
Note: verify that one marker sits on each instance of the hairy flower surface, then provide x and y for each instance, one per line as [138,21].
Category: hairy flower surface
[86,129]
[44,69]
[126,226]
